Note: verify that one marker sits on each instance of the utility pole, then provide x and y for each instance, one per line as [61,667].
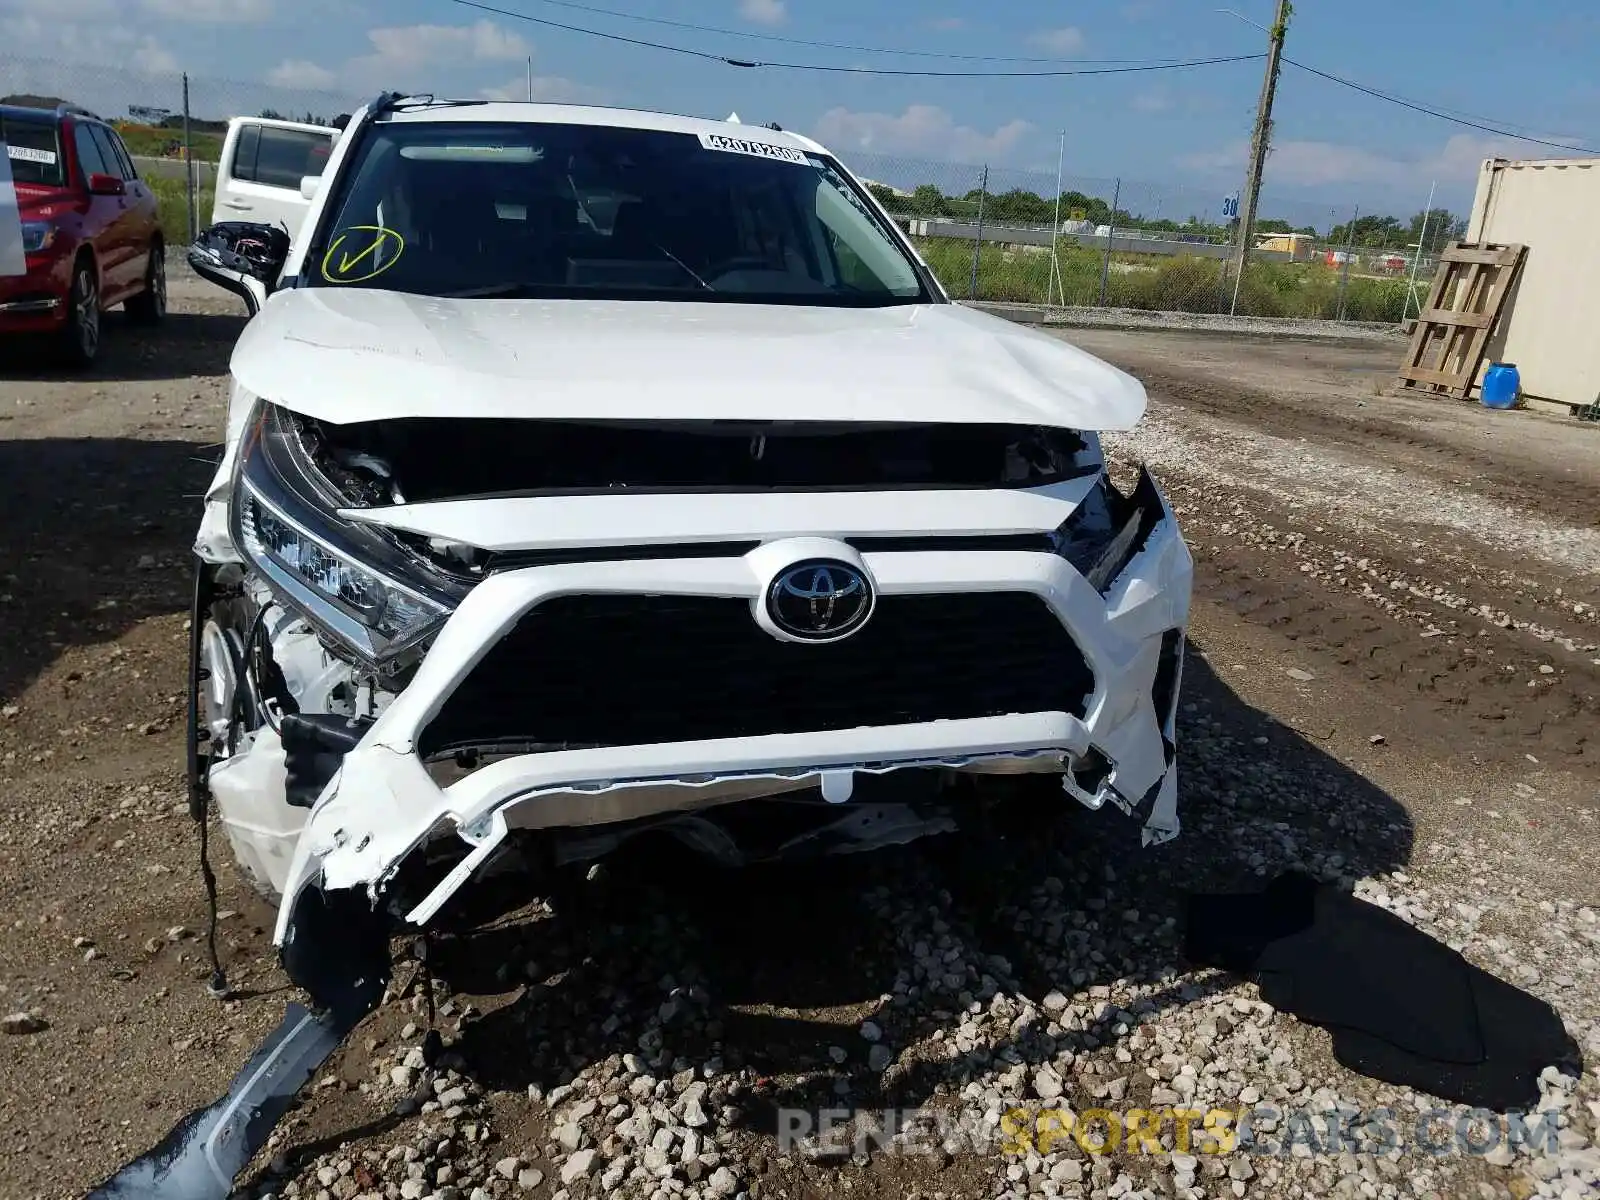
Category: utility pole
[1259,139]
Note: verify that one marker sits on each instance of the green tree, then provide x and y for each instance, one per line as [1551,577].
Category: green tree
[1443,227]
[1019,207]
[1372,232]
[928,201]
[886,196]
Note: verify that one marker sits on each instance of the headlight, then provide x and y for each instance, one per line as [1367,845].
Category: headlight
[1108,529]
[353,582]
[38,236]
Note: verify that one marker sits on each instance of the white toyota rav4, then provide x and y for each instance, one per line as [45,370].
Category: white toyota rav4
[592,471]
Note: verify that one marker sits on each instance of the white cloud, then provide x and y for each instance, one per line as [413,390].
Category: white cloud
[416,45]
[1323,164]
[416,56]
[79,32]
[923,130]
[298,73]
[210,11]
[551,89]
[1066,40]
[150,55]
[763,12]
[409,56]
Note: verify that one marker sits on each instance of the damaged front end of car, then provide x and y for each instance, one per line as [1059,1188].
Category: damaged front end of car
[392,670]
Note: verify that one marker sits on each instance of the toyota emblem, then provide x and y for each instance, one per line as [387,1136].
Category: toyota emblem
[820,601]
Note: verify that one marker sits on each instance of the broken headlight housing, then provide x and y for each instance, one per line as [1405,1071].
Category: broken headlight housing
[1107,529]
[356,584]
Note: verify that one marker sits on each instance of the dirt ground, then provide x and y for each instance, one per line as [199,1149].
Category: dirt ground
[1395,680]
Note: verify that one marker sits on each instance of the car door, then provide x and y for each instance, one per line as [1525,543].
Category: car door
[263,162]
[141,212]
[108,228]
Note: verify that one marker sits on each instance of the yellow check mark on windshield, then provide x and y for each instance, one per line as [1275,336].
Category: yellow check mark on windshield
[340,271]
[346,262]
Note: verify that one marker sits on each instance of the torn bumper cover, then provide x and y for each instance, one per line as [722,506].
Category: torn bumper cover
[1111,738]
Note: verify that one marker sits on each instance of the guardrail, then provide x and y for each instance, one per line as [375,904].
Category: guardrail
[1131,242]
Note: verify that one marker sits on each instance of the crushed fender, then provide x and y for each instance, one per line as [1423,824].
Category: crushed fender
[337,950]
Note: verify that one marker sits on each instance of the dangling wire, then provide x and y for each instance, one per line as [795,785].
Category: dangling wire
[199,783]
[218,984]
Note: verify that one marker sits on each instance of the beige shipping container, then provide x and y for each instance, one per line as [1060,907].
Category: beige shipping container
[1552,206]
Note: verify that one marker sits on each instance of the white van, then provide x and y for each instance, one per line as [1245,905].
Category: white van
[263,164]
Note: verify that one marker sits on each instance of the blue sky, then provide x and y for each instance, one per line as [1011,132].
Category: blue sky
[1178,137]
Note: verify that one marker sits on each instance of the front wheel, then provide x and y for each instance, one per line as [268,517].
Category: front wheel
[150,305]
[80,336]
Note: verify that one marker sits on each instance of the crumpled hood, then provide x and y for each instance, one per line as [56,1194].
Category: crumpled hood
[357,354]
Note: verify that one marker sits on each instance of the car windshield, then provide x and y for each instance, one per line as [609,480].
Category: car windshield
[557,210]
[33,151]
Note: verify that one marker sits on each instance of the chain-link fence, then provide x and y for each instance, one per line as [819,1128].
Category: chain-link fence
[173,123]
[1004,235]
[989,233]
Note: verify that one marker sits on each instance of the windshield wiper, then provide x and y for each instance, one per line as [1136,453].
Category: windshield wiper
[684,265]
[492,291]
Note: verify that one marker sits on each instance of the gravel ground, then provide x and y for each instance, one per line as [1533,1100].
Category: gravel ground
[1396,682]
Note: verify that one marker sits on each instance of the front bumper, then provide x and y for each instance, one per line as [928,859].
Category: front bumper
[36,302]
[384,803]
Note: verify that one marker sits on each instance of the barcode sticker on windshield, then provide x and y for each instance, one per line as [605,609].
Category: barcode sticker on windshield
[733,145]
[29,154]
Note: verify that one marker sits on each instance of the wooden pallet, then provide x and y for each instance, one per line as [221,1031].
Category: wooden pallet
[1469,291]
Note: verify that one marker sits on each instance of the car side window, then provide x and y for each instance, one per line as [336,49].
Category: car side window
[279,157]
[106,141]
[90,160]
[129,171]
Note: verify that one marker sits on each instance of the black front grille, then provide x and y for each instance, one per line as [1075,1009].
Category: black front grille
[602,670]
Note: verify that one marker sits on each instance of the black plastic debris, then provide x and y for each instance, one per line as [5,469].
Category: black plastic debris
[337,950]
[205,1150]
[1401,1006]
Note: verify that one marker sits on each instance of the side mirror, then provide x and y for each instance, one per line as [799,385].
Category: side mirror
[106,185]
[242,257]
[309,185]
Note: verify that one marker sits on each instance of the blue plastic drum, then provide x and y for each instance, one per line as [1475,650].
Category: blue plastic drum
[1502,386]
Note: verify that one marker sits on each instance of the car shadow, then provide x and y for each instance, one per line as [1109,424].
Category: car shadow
[184,345]
[94,538]
[774,968]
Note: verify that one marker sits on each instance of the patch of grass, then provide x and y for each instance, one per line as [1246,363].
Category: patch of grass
[1019,274]
[174,209]
[151,141]
[1159,283]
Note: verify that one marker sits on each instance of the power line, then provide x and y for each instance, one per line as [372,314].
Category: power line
[723,31]
[1165,65]
[1441,114]
[1128,70]
[610,37]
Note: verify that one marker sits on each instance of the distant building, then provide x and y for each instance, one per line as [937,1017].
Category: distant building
[1298,246]
[901,192]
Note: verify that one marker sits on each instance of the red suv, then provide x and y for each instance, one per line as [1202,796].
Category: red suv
[91,236]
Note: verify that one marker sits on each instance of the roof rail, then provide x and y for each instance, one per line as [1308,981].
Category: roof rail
[76,110]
